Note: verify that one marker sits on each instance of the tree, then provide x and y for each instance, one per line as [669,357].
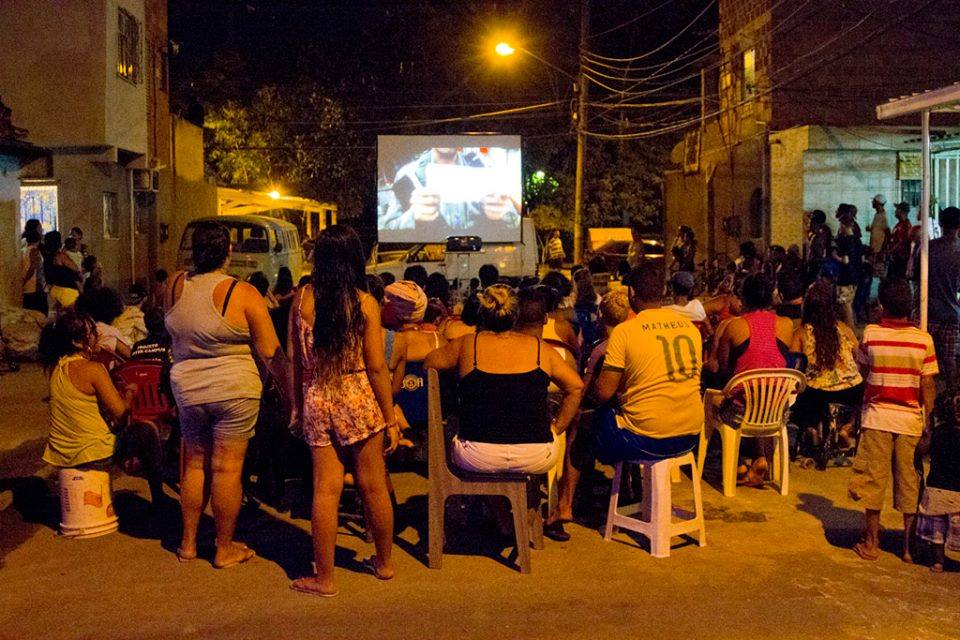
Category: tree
[290,136]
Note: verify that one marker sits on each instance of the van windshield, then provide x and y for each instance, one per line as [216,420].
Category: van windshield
[245,237]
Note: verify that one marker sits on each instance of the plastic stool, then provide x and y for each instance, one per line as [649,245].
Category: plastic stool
[656,506]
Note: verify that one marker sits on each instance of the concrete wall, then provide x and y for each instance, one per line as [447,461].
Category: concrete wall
[51,69]
[10,290]
[787,222]
[125,103]
[184,192]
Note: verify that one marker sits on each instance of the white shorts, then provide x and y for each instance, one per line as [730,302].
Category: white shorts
[484,457]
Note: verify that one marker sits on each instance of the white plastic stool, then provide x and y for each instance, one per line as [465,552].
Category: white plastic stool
[656,506]
[86,504]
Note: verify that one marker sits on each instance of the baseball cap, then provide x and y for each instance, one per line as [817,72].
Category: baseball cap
[880,198]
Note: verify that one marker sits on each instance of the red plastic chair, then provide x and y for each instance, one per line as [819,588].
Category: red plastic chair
[151,404]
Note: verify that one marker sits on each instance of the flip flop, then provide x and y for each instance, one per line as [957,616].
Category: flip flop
[248,554]
[299,585]
[372,567]
[183,557]
[555,531]
[861,550]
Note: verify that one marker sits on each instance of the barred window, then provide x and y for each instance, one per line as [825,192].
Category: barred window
[128,47]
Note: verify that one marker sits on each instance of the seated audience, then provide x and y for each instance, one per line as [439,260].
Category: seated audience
[80,435]
[900,365]
[586,309]
[488,275]
[416,273]
[505,423]
[466,322]
[790,287]
[681,288]
[104,305]
[261,283]
[829,345]
[759,339]
[156,346]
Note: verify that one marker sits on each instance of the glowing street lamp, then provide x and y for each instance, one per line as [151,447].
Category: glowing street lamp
[503,49]
[274,194]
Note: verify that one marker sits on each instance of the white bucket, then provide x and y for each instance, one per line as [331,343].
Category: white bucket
[86,504]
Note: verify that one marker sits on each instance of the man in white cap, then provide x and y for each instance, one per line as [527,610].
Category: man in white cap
[879,229]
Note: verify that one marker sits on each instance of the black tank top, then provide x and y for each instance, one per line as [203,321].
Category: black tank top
[505,408]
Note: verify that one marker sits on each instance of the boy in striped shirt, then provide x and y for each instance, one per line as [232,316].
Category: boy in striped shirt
[899,366]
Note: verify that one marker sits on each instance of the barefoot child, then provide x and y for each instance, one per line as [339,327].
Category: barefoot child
[939,514]
[899,366]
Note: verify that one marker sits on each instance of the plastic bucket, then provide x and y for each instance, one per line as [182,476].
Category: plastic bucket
[86,504]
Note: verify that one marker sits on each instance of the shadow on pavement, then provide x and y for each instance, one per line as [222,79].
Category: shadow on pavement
[34,507]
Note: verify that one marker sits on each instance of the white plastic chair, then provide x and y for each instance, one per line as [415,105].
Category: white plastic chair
[656,504]
[765,394]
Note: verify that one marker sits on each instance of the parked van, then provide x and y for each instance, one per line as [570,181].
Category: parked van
[259,244]
[512,259]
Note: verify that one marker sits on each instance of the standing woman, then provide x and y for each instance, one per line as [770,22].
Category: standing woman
[216,324]
[31,268]
[60,272]
[344,392]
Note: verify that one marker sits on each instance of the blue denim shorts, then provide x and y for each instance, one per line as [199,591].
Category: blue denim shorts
[614,444]
[227,420]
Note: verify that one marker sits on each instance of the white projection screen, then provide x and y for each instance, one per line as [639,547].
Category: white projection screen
[432,187]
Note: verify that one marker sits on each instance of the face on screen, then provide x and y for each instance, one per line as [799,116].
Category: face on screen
[428,192]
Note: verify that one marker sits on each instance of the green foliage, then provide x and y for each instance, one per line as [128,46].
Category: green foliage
[287,136]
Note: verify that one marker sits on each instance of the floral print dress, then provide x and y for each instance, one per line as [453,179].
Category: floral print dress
[337,407]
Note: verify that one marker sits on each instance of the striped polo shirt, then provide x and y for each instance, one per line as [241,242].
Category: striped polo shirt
[896,354]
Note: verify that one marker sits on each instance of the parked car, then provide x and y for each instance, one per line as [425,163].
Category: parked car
[259,243]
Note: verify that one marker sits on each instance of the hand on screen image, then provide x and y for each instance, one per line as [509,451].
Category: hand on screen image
[497,206]
[424,205]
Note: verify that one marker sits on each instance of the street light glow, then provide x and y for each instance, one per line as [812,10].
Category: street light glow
[504,49]
[275,194]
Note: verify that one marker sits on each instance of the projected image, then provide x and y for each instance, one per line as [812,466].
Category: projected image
[433,187]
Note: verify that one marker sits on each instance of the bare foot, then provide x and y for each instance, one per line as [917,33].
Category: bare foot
[314,587]
[907,558]
[381,570]
[186,551]
[936,567]
[235,553]
[866,552]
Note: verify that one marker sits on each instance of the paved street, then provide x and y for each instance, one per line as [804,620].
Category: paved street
[773,567]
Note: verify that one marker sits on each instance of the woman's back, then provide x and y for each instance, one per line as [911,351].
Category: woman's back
[759,341]
[503,390]
[420,342]
[844,373]
[213,361]
[78,432]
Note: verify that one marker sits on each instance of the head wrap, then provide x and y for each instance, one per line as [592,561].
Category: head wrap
[403,302]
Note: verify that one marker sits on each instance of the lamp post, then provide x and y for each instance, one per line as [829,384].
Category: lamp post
[505,49]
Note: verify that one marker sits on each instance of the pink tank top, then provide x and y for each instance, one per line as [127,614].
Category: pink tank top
[762,351]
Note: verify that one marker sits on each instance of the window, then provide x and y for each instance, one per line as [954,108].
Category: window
[245,237]
[128,47]
[144,211]
[111,215]
[39,201]
[749,73]
[910,191]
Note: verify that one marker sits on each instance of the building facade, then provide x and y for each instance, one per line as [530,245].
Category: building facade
[89,81]
[792,126]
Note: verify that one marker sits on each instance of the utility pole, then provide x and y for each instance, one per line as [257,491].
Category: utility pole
[581,135]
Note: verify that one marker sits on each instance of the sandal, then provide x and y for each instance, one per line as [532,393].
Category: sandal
[371,565]
[300,585]
[248,554]
[861,550]
[555,531]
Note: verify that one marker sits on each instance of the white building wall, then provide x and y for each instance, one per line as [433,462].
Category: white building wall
[125,116]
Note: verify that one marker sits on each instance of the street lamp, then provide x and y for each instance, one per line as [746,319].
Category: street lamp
[274,194]
[505,49]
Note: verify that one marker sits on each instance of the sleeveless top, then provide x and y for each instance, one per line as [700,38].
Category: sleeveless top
[762,350]
[504,408]
[844,375]
[78,432]
[212,358]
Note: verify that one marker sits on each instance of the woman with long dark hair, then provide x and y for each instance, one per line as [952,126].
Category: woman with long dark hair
[216,325]
[829,345]
[344,400]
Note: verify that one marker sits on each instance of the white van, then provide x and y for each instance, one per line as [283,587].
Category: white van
[259,244]
[512,259]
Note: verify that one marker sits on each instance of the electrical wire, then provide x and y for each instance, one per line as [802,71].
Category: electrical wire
[632,20]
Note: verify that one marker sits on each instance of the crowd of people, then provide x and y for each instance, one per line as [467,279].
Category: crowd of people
[625,373]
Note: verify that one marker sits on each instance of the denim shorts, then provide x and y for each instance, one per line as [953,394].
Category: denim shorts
[615,444]
[225,420]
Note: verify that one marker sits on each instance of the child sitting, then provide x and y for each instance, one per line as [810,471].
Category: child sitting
[80,436]
[899,365]
[939,514]
[104,305]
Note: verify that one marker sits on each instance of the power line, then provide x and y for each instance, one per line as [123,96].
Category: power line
[632,20]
